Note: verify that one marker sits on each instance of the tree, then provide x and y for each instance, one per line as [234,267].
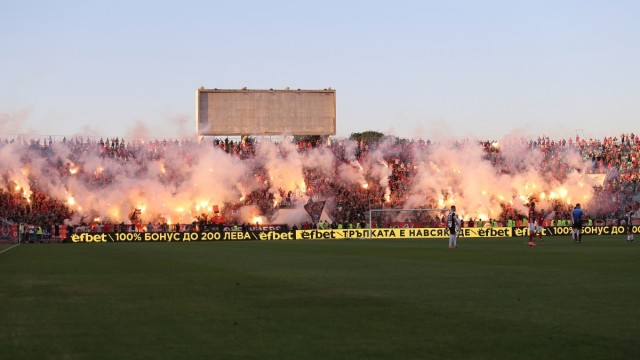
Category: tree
[367,137]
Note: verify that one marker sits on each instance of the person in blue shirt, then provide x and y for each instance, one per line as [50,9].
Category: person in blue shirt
[576,216]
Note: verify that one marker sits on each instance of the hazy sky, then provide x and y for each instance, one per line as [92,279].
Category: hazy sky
[410,68]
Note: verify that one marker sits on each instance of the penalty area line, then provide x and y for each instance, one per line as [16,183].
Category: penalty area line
[9,248]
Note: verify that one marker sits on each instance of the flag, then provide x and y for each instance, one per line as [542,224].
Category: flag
[135,215]
[218,219]
[216,209]
[314,209]
[598,179]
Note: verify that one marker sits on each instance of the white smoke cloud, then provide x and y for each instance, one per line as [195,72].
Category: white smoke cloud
[14,123]
[179,182]
[458,174]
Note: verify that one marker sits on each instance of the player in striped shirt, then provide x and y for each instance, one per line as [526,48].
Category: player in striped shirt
[628,223]
[532,223]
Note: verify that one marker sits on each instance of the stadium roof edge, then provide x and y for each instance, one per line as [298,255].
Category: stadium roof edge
[245,90]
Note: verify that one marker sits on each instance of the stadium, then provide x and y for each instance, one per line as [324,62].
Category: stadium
[233,244]
[305,179]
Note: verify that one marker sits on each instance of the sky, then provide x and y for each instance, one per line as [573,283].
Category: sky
[414,69]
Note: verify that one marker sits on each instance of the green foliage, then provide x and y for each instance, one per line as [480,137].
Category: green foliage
[368,137]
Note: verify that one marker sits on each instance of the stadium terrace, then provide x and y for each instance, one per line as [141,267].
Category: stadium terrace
[91,184]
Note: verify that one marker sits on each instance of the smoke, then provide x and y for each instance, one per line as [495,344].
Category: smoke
[283,165]
[183,126]
[139,130]
[320,159]
[352,173]
[14,123]
[177,182]
[462,174]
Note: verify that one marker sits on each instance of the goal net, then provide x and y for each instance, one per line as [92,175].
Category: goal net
[407,218]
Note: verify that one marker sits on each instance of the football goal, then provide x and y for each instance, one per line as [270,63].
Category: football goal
[406,218]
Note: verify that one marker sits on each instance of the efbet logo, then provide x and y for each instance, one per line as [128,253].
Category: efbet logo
[84,237]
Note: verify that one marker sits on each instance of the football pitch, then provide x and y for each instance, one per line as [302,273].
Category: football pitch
[339,299]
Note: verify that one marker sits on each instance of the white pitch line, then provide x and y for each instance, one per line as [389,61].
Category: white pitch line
[9,248]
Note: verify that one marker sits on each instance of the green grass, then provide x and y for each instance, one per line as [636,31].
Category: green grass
[346,299]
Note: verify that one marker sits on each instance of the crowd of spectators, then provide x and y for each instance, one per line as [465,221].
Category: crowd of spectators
[615,157]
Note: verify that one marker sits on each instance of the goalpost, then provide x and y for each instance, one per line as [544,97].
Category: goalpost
[386,218]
